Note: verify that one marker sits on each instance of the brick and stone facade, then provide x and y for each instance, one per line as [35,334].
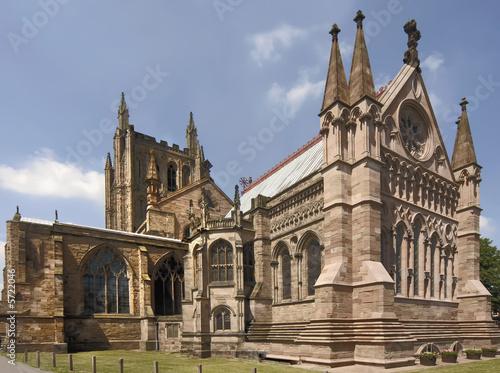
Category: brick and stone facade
[361,248]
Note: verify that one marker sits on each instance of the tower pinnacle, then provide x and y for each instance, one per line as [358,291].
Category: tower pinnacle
[123,114]
[336,83]
[463,152]
[360,79]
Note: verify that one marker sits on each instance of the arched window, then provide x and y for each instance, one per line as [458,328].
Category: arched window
[171,178]
[417,226]
[223,319]
[186,176]
[248,264]
[169,287]
[399,243]
[221,261]
[313,265]
[286,274]
[105,284]
[432,274]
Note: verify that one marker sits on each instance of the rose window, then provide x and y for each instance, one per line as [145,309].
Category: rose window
[414,132]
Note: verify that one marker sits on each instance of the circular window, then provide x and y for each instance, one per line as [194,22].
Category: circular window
[414,131]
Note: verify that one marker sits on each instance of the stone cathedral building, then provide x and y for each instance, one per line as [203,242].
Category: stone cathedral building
[360,248]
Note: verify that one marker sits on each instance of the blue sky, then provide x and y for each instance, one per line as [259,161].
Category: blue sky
[240,66]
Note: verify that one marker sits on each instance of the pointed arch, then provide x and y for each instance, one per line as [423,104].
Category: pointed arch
[221,316]
[282,272]
[105,275]
[310,247]
[172,176]
[168,284]
[221,260]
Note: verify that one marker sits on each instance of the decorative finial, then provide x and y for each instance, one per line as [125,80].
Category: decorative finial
[458,121]
[334,31]
[17,215]
[56,217]
[463,104]
[236,195]
[359,19]
[411,55]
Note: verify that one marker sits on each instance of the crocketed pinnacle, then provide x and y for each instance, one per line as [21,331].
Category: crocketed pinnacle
[108,165]
[123,114]
[152,174]
[360,79]
[463,152]
[336,83]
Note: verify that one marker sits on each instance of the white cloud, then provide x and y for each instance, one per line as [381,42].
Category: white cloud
[265,44]
[487,226]
[346,50]
[43,175]
[293,98]
[433,62]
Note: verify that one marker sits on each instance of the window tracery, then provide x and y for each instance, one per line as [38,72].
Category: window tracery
[221,261]
[105,284]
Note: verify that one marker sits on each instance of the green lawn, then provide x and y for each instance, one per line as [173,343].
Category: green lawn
[142,362]
[485,366]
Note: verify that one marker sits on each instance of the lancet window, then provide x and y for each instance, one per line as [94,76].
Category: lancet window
[169,287]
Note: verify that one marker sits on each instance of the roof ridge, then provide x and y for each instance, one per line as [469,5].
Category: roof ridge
[284,162]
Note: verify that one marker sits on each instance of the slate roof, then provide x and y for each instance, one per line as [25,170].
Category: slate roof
[287,173]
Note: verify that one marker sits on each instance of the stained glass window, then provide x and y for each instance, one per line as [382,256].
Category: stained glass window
[286,272]
[223,319]
[105,284]
[313,265]
[169,287]
[222,261]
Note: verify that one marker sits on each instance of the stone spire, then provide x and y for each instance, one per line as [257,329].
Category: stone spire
[192,136]
[153,181]
[463,152]
[411,55]
[336,83]
[108,165]
[123,114]
[360,79]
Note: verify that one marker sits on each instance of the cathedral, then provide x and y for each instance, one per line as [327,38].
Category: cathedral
[360,248]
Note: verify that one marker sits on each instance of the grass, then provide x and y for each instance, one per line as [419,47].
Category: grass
[485,366]
[142,362]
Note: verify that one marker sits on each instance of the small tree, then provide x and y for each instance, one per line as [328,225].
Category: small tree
[490,271]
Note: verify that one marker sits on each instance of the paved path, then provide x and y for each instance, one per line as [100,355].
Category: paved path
[5,367]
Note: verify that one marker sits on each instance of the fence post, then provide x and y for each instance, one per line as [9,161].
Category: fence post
[254,370]
[70,362]
[94,364]
[38,358]
[53,360]
[120,365]
[25,356]
[155,366]
[200,368]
